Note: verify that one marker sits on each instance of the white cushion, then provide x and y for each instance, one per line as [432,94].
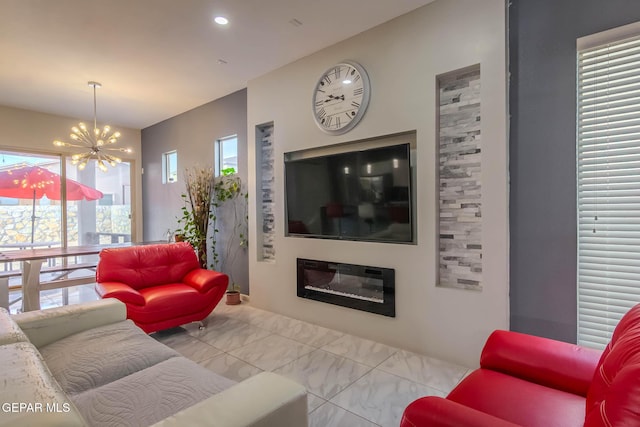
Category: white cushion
[10,332]
[27,381]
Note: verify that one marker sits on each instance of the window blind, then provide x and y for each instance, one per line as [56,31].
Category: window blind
[608,182]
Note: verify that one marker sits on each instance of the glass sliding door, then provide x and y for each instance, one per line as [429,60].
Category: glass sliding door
[102,218]
[30,201]
[46,202]
[31,212]
[40,208]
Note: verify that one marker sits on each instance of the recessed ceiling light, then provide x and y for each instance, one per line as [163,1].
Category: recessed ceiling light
[221,20]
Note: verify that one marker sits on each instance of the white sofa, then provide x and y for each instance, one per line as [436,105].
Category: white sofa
[86,365]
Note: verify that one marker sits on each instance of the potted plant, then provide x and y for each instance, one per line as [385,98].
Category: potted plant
[204,197]
[233,216]
[196,212]
[228,192]
[233,294]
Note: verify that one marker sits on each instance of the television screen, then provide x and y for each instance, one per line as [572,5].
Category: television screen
[356,195]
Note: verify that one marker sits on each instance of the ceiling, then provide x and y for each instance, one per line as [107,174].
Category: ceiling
[159,58]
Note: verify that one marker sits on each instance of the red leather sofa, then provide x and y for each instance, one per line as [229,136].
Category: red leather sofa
[525,380]
[162,285]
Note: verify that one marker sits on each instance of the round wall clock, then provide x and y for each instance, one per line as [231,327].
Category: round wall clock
[340,97]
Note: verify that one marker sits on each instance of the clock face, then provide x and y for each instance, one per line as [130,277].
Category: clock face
[341,97]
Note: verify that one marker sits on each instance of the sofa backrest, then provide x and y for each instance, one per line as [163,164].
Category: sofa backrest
[614,395]
[146,265]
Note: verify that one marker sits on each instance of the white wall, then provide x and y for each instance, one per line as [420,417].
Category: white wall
[25,130]
[403,58]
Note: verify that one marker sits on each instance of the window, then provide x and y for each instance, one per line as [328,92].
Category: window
[108,218]
[170,167]
[226,154]
[28,184]
[608,183]
[40,212]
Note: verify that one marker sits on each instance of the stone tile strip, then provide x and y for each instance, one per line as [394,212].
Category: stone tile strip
[460,183]
[267,189]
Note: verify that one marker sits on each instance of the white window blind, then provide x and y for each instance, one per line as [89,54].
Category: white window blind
[608,187]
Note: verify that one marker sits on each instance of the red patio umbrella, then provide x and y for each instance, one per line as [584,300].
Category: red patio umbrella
[34,182]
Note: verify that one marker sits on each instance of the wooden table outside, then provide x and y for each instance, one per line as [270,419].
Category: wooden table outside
[31,261]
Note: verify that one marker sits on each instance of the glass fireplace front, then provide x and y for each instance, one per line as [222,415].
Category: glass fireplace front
[355,286]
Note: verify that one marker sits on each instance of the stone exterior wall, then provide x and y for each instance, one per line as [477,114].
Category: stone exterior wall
[267,189]
[15,223]
[460,156]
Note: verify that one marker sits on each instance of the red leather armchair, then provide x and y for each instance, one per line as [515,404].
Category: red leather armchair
[525,380]
[162,285]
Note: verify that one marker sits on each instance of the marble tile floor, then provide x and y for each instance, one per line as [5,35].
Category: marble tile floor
[351,382]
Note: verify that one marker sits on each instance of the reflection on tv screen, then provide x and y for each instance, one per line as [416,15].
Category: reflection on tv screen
[356,195]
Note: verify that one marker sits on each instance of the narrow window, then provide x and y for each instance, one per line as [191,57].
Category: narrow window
[226,155]
[170,167]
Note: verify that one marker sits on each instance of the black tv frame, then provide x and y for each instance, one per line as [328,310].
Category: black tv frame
[358,147]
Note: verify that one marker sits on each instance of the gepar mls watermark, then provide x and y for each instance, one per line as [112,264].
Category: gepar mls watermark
[34,407]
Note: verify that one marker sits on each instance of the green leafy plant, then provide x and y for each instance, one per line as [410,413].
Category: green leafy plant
[204,198]
[196,212]
[228,192]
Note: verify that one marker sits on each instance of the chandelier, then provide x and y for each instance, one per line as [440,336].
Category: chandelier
[97,142]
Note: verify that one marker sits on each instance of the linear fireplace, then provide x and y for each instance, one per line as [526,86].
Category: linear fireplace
[360,287]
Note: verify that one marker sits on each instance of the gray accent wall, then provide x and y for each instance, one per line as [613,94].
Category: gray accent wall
[542,157]
[193,135]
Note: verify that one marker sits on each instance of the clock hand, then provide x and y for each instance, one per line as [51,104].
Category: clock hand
[335,98]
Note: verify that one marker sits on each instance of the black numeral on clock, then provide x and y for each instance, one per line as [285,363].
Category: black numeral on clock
[338,122]
[355,104]
[321,113]
[327,79]
[358,91]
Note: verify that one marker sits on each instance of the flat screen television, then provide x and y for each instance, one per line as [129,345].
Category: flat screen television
[353,195]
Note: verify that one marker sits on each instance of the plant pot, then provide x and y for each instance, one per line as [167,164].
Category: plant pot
[233,298]
[179,237]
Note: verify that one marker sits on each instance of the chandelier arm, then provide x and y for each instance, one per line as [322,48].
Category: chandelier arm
[82,156]
[85,139]
[68,144]
[112,158]
[116,150]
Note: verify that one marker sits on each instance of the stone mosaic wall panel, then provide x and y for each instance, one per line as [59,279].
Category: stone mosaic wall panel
[15,223]
[267,188]
[460,184]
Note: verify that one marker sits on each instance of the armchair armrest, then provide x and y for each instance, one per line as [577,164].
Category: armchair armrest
[46,326]
[121,291]
[432,411]
[265,400]
[204,280]
[544,361]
